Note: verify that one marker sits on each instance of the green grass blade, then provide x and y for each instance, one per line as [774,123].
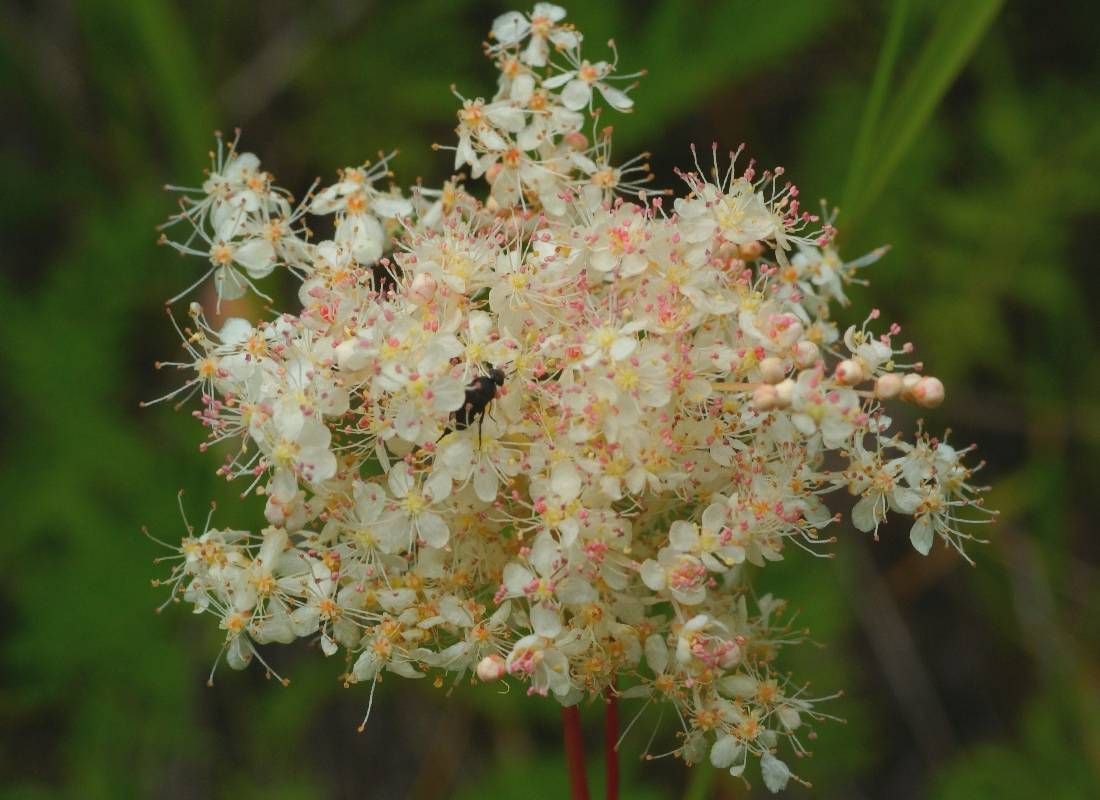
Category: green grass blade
[876,98]
[958,31]
[174,68]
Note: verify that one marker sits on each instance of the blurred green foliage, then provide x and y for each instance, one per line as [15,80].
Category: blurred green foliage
[965,134]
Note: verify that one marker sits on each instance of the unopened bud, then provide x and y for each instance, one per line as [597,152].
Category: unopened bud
[784,391]
[765,397]
[849,372]
[491,668]
[888,386]
[928,392]
[805,354]
[772,370]
[576,140]
[730,657]
[751,250]
[422,289]
[908,384]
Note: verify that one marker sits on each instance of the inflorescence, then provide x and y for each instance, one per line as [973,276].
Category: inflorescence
[547,432]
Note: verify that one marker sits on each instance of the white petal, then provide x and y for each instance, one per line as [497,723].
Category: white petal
[617,99]
[407,422]
[235,331]
[239,653]
[321,466]
[725,751]
[922,534]
[622,347]
[864,514]
[905,500]
[392,207]
[522,88]
[545,621]
[576,95]
[683,536]
[544,553]
[559,80]
[714,517]
[656,653]
[456,455]
[229,283]
[653,575]
[432,529]
[516,577]
[257,256]
[304,620]
[536,52]
[399,480]
[510,27]
[739,685]
[508,117]
[552,12]
[486,484]
[565,480]
[576,591]
[327,201]
[448,395]
[438,486]
[790,718]
[242,166]
[775,772]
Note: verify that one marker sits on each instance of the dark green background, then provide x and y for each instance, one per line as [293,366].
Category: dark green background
[980,169]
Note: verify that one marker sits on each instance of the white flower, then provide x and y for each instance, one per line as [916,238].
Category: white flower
[580,81]
[413,515]
[360,209]
[512,28]
[681,575]
[545,666]
[300,445]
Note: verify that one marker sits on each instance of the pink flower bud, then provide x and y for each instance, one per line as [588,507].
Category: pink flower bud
[928,392]
[751,250]
[772,370]
[730,657]
[849,372]
[576,140]
[888,386]
[805,354]
[908,384]
[765,397]
[491,668]
[784,391]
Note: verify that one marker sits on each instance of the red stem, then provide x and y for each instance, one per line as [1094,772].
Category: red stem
[610,739]
[574,753]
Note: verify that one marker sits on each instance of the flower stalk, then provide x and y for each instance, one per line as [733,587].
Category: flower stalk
[574,753]
[611,744]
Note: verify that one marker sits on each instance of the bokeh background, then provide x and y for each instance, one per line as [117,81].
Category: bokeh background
[965,134]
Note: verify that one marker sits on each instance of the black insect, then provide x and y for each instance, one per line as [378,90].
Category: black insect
[479,394]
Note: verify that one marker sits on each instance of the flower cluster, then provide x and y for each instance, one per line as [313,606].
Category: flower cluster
[549,434]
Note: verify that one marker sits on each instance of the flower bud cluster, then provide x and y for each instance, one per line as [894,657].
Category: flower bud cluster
[547,436]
